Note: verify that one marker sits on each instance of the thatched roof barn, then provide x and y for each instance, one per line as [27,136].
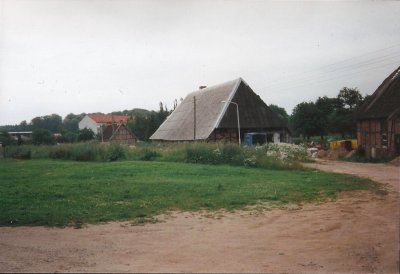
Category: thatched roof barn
[378,125]
[208,115]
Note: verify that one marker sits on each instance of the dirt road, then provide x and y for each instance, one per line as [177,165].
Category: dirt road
[359,232]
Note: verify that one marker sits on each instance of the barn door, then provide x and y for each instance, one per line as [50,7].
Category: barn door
[397,143]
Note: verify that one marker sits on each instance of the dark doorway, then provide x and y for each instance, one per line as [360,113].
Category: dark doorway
[397,143]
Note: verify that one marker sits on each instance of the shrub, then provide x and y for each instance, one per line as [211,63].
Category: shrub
[6,139]
[149,155]
[60,152]
[84,153]
[85,134]
[270,156]
[69,137]
[174,154]
[202,153]
[42,137]
[287,153]
[232,154]
[18,152]
[115,152]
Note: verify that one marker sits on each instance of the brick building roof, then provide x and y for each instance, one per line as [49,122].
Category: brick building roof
[108,118]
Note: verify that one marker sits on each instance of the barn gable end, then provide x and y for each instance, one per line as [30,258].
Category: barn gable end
[207,115]
[378,121]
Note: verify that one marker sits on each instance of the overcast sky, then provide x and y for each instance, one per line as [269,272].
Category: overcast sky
[102,56]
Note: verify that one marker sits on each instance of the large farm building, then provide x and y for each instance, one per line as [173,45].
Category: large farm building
[211,114]
[378,126]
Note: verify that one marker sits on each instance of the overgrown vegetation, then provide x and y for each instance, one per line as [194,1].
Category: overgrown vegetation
[62,193]
[266,156]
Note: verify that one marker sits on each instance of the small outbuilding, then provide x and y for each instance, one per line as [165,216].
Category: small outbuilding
[378,121]
[211,114]
[118,133]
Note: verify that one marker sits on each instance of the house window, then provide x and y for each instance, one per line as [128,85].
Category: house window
[384,128]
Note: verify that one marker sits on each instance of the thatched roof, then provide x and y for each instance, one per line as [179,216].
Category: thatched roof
[385,101]
[212,113]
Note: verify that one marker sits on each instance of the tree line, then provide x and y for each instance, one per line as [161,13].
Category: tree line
[335,115]
[45,127]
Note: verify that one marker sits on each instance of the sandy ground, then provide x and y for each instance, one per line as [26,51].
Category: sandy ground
[357,233]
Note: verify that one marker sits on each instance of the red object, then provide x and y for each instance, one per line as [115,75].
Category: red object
[102,118]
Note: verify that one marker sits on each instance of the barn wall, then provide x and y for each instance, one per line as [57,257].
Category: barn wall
[123,136]
[371,136]
[120,134]
[224,135]
[88,122]
[230,134]
[394,138]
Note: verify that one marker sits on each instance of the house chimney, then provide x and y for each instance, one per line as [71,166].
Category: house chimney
[201,87]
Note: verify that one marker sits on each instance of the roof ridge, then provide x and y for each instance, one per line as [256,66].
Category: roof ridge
[231,95]
[382,87]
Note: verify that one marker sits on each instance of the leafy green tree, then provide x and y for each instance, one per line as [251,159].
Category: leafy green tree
[68,137]
[24,126]
[42,136]
[5,138]
[305,119]
[344,121]
[281,112]
[51,122]
[86,134]
[350,97]
[327,110]
[140,127]
[71,122]
[146,123]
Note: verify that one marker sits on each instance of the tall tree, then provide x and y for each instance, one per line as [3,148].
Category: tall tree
[351,97]
[52,122]
[146,123]
[281,112]
[71,122]
[305,119]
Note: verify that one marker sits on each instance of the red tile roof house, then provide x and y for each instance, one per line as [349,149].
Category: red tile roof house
[96,121]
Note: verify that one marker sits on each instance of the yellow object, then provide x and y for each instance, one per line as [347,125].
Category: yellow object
[340,143]
[334,144]
[354,143]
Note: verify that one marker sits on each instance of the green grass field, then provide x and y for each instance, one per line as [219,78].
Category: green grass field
[60,193]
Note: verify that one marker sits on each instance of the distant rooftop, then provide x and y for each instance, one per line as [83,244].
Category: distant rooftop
[109,118]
